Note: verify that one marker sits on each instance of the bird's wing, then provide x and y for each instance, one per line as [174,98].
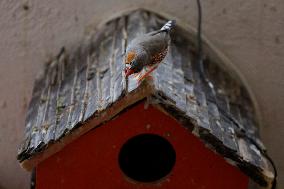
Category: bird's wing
[154,44]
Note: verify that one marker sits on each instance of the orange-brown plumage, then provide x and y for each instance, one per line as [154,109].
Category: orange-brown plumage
[130,57]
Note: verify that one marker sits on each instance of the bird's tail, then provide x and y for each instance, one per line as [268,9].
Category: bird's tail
[169,26]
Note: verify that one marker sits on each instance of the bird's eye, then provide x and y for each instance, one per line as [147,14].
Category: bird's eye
[134,63]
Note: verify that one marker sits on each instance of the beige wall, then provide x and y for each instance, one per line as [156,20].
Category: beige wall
[249,33]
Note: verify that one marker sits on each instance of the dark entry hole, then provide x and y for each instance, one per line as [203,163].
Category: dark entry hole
[147,158]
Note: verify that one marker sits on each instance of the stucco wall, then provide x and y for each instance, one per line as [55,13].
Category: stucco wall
[249,33]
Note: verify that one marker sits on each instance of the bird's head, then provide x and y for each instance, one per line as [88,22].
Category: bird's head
[133,67]
[134,63]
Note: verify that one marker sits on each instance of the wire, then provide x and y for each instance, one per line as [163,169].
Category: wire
[199,41]
[211,86]
[33,179]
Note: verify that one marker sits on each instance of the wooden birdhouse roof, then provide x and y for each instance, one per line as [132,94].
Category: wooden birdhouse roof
[86,85]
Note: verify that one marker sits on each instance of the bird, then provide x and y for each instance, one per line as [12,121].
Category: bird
[146,52]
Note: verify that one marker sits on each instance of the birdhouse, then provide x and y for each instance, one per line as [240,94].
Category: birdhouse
[88,126]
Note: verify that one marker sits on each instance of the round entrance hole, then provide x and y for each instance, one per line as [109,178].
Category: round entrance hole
[147,158]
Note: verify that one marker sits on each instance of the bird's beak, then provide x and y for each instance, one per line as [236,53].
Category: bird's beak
[128,71]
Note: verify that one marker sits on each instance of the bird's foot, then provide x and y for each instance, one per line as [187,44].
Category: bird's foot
[142,76]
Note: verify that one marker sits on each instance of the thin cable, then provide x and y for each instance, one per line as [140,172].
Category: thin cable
[211,86]
[199,41]
[33,179]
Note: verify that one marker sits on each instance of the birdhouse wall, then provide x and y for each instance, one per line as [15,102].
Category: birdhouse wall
[91,161]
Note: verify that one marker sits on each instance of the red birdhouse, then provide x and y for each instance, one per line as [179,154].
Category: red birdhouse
[90,127]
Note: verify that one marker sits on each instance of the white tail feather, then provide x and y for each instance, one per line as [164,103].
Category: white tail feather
[169,25]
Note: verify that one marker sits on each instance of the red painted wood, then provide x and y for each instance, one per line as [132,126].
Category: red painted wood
[92,160]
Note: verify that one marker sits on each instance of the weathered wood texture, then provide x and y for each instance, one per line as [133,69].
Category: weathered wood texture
[77,86]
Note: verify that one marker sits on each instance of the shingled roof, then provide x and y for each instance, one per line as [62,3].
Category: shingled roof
[86,84]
